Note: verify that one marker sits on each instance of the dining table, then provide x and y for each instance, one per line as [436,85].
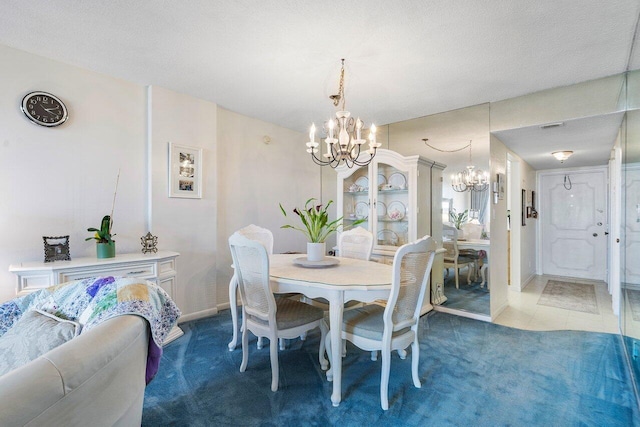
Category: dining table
[346,280]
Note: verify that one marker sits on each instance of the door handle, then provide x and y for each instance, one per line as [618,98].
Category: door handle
[606,233]
[595,234]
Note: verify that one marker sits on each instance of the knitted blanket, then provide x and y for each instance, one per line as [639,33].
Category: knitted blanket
[93,300]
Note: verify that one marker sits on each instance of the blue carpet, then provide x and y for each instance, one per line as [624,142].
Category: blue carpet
[468,297]
[472,373]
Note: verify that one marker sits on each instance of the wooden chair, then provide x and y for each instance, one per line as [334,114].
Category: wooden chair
[394,327]
[452,258]
[262,313]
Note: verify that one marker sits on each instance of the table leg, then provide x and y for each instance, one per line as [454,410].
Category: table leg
[233,304]
[336,306]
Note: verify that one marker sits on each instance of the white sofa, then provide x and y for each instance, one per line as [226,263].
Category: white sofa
[95,379]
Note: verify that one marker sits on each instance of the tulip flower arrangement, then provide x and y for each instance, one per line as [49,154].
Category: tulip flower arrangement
[315,219]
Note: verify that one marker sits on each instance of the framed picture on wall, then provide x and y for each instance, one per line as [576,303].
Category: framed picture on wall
[185,171]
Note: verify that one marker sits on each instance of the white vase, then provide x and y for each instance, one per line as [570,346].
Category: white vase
[315,251]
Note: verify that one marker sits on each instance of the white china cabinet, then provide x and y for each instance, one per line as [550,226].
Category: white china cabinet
[401,199]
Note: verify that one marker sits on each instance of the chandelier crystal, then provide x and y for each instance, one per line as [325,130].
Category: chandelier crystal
[470,179]
[347,147]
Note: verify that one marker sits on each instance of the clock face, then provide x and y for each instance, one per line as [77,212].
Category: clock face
[44,109]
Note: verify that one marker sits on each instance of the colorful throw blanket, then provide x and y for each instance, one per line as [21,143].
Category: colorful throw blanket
[93,300]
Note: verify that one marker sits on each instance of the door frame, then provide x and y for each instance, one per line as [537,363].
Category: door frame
[541,208]
[514,181]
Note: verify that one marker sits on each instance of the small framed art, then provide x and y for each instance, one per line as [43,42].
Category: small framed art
[56,248]
[185,171]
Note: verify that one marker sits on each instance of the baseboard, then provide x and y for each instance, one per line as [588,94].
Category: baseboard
[224,306]
[526,282]
[461,313]
[499,310]
[198,315]
[632,286]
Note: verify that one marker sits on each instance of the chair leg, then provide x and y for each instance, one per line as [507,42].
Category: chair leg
[402,353]
[273,348]
[415,360]
[323,336]
[374,355]
[259,345]
[245,347]
[233,285]
[282,343]
[344,348]
[457,277]
[384,379]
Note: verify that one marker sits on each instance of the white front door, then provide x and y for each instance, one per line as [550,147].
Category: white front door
[573,221]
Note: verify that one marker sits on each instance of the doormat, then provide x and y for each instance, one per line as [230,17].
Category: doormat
[633,296]
[570,296]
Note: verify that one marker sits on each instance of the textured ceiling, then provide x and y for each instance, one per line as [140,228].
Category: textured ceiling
[279,60]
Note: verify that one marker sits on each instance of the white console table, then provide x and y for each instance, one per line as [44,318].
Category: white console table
[159,268]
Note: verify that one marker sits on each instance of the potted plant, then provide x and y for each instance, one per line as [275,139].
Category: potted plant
[317,227]
[458,218]
[105,245]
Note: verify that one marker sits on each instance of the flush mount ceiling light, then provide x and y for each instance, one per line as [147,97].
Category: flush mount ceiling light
[562,155]
[346,147]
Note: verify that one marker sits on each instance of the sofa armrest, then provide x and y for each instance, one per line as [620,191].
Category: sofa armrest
[93,379]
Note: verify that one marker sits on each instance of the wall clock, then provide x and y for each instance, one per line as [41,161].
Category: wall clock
[44,109]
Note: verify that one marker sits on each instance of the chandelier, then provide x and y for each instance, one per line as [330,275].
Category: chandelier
[470,179]
[347,147]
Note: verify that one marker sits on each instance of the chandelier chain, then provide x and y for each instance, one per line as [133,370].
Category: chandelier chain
[445,151]
[340,96]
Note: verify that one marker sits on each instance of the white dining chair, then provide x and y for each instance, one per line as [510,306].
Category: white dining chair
[452,258]
[265,237]
[355,243]
[394,327]
[262,313]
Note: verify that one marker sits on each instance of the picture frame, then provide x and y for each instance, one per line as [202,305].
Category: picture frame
[185,171]
[523,210]
[56,248]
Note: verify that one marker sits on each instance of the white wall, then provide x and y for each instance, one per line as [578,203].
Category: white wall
[253,177]
[529,232]
[187,226]
[498,248]
[60,181]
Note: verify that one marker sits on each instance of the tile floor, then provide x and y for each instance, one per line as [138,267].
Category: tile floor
[524,312]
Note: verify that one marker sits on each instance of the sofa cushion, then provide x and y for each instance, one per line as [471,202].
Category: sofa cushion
[34,334]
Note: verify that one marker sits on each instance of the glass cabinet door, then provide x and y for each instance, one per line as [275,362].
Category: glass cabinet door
[355,198]
[390,195]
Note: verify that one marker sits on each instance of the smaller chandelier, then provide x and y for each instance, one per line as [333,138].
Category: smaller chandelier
[470,179]
[562,155]
[347,147]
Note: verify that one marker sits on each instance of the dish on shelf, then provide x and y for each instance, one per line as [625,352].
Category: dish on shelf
[362,210]
[363,183]
[396,211]
[353,188]
[387,237]
[386,187]
[398,181]
[382,180]
[381,209]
